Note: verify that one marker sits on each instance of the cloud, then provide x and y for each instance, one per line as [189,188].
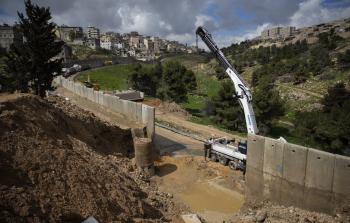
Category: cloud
[228,20]
[312,12]
[223,40]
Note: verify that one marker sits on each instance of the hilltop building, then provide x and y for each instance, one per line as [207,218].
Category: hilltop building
[8,36]
[278,32]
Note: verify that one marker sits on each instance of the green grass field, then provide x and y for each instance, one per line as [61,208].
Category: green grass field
[109,78]
[115,78]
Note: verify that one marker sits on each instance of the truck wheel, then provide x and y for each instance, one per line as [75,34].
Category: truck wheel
[233,165]
[222,160]
[213,157]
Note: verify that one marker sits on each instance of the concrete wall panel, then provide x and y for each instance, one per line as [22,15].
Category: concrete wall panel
[139,112]
[273,157]
[254,184]
[318,200]
[319,170]
[291,194]
[294,163]
[341,182]
[255,153]
[150,123]
[125,108]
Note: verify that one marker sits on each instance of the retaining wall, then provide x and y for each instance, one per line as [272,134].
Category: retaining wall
[134,111]
[294,175]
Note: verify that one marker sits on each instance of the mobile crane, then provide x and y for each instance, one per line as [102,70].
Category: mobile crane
[222,149]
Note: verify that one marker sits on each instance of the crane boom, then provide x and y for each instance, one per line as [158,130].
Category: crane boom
[242,91]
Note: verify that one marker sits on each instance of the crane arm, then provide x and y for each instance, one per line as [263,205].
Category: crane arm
[242,91]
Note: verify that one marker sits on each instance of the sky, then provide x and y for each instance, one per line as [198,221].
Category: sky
[228,20]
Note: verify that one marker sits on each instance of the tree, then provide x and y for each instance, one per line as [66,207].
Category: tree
[319,59]
[344,59]
[170,82]
[72,35]
[176,82]
[267,105]
[328,127]
[146,79]
[31,62]
[226,110]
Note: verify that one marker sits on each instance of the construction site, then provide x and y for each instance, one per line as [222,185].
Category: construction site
[81,153]
[137,128]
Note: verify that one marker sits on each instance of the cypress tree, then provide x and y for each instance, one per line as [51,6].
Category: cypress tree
[30,63]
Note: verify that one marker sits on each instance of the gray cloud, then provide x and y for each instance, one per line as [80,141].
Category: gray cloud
[178,19]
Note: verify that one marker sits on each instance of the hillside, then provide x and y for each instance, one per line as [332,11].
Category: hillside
[302,74]
[81,52]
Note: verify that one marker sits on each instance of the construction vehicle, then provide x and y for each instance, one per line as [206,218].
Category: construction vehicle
[221,149]
[89,84]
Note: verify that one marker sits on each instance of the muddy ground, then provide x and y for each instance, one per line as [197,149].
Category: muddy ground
[209,189]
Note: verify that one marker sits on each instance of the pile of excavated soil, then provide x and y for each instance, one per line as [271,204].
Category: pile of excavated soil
[167,107]
[267,212]
[60,163]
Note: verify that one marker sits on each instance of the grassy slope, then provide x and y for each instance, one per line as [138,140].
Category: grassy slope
[109,78]
[84,52]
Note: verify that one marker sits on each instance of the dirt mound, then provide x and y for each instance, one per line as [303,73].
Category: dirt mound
[172,107]
[267,212]
[61,163]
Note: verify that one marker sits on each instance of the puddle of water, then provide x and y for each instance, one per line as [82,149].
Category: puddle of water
[209,196]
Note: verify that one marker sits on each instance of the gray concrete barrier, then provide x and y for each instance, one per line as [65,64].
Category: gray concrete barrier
[255,163]
[341,180]
[294,167]
[134,111]
[294,175]
[273,168]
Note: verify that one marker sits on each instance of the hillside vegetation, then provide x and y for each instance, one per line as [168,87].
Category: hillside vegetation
[84,52]
[307,77]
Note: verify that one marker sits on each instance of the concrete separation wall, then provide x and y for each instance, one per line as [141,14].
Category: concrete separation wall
[134,111]
[294,175]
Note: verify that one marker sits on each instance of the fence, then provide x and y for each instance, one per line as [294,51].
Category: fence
[135,111]
[294,175]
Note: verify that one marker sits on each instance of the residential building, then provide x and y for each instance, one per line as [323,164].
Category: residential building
[134,33]
[69,33]
[106,42]
[149,45]
[8,36]
[135,41]
[93,43]
[287,31]
[156,44]
[93,33]
[278,32]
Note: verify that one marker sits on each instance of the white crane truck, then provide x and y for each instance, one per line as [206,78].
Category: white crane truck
[222,149]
